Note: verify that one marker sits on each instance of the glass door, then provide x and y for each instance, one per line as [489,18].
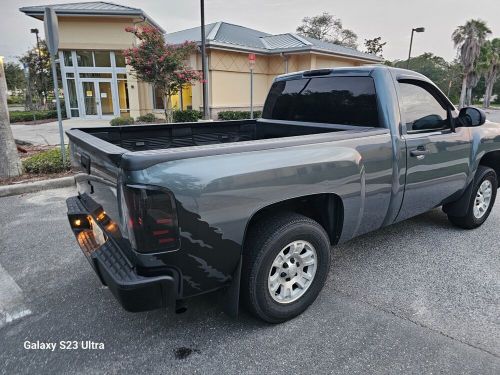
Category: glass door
[98,98]
[105,99]
[89,99]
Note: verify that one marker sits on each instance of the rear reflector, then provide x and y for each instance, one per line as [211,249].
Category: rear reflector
[152,219]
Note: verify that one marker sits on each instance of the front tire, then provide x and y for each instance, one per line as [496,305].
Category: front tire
[481,200]
[286,262]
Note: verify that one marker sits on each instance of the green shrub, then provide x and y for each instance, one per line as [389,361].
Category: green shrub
[119,121]
[46,162]
[21,116]
[189,115]
[15,100]
[238,115]
[148,118]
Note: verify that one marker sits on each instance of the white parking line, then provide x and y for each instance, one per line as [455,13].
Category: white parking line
[12,306]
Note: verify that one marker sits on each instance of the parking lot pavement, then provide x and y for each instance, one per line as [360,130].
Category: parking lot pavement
[418,297]
[493,115]
[48,133]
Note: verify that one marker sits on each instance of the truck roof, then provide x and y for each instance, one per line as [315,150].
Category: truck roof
[364,70]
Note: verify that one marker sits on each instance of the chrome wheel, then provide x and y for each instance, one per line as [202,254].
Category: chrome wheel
[483,199]
[292,271]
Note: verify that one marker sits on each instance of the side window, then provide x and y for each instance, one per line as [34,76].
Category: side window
[420,109]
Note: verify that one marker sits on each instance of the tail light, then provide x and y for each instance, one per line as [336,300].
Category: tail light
[152,219]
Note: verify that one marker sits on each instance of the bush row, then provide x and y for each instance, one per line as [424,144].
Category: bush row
[189,115]
[238,115]
[21,116]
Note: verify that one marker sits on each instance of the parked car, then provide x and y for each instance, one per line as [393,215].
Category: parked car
[253,207]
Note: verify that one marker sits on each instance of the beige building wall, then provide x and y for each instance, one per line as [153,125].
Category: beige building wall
[230,76]
[86,33]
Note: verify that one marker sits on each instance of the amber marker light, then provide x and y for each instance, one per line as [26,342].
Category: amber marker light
[78,222]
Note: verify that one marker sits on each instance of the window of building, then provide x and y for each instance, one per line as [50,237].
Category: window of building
[85,58]
[420,109]
[331,100]
[158,99]
[120,60]
[102,59]
[72,98]
[123,96]
[68,58]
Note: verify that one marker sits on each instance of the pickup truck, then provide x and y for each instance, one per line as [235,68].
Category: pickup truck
[252,208]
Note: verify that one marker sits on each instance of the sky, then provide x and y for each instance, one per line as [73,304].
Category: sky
[390,19]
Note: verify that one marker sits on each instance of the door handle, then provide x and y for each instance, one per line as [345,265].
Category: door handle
[419,152]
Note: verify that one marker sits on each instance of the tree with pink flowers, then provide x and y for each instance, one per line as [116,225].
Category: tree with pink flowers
[163,65]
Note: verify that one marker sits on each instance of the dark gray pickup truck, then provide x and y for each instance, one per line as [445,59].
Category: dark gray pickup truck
[252,208]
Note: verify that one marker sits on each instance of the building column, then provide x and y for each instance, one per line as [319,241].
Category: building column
[133,94]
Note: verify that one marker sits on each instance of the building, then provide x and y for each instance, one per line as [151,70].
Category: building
[98,84]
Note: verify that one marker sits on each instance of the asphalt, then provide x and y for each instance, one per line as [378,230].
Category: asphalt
[417,297]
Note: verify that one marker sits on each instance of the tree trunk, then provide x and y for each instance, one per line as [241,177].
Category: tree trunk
[10,164]
[169,115]
[463,93]
[487,95]
[468,100]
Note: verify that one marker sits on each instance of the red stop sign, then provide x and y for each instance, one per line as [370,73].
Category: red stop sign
[251,59]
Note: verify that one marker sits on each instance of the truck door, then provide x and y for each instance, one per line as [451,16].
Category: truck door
[438,158]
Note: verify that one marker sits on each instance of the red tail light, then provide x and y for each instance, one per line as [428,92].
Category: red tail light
[152,219]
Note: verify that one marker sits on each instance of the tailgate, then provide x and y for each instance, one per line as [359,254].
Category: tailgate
[99,164]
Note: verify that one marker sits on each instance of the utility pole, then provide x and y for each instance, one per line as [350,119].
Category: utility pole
[206,115]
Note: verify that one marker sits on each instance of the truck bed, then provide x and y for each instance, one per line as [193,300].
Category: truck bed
[167,136]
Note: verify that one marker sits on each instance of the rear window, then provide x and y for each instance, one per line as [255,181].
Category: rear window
[331,100]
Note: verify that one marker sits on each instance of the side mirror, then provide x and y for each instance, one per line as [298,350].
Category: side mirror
[471,116]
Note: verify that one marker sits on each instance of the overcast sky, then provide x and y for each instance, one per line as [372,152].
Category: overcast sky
[390,19]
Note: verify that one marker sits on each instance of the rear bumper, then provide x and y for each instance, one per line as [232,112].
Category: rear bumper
[134,292]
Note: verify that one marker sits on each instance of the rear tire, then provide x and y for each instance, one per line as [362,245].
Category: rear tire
[481,200]
[275,285]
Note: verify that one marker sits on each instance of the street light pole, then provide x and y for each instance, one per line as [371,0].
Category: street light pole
[204,66]
[418,30]
[40,67]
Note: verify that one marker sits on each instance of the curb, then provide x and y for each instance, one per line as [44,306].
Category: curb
[31,187]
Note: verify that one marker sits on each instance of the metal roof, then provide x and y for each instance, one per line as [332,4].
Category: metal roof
[94,8]
[227,35]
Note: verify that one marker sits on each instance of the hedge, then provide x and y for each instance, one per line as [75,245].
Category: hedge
[147,118]
[238,115]
[189,115]
[46,162]
[20,116]
[119,121]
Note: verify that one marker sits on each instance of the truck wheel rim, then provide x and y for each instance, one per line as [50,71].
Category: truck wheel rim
[292,271]
[483,199]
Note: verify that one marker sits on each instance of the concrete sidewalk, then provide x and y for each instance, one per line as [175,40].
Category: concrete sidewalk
[48,134]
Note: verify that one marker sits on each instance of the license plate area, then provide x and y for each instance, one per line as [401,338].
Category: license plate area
[97,232]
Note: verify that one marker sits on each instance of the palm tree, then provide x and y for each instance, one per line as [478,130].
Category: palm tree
[489,66]
[468,39]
